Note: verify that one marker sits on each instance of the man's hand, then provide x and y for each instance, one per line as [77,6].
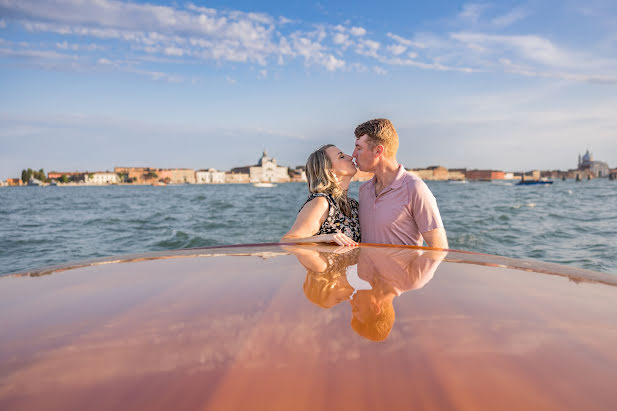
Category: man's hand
[436,238]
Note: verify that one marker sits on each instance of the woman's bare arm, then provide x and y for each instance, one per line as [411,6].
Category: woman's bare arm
[308,221]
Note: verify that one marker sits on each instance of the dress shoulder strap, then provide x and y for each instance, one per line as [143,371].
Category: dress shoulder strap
[315,195]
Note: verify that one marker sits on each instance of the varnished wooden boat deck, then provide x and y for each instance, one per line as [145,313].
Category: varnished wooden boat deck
[250,328]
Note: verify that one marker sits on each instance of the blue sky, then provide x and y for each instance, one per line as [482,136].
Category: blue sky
[89,85]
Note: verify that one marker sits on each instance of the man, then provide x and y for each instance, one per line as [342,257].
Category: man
[390,272]
[396,207]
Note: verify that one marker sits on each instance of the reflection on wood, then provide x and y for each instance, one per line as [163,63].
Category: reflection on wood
[230,330]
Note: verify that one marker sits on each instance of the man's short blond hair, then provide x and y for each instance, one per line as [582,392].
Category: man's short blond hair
[380,131]
[378,326]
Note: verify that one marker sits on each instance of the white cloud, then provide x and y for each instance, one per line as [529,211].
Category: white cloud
[173,51]
[406,42]
[529,47]
[509,18]
[401,40]
[332,63]
[202,10]
[472,11]
[194,33]
[380,71]
[357,31]
[396,49]
[230,80]
[73,46]
[315,53]
[368,48]
[340,38]
[248,34]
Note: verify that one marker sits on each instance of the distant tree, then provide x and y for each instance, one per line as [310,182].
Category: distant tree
[26,175]
[64,178]
[40,175]
[151,174]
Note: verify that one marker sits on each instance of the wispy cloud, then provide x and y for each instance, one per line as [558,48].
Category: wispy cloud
[538,56]
[145,33]
[509,18]
[472,12]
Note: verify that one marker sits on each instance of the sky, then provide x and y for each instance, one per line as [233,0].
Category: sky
[91,85]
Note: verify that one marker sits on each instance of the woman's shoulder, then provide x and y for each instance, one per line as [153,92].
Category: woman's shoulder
[319,200]
[321,197]
[314,195]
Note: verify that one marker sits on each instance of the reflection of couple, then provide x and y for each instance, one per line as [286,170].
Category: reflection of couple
[382,274]
[395,207]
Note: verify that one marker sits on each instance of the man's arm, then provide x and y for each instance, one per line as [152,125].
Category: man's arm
[436,238]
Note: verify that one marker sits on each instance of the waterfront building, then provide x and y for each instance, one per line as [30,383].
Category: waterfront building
[14,182]
[594,168]
[484,175]
[209,176]
[35,182]
[456,174]
[298,174]
[73,176]
[432,173]
[56,175]
[266,171]
[101,178]
[236,178]
[149,175]
[176,175]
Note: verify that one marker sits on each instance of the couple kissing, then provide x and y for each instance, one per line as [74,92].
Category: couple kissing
[394,207]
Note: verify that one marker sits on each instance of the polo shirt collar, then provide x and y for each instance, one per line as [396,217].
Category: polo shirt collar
[400,177]
[398,180]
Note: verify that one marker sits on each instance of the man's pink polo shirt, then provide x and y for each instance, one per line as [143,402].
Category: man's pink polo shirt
[400,214]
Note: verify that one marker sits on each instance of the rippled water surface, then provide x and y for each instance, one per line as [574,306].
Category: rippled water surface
[568,222]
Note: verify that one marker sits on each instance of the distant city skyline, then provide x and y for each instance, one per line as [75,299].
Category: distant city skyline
[489,85]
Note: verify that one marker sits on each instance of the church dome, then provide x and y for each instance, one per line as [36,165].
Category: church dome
[265,159]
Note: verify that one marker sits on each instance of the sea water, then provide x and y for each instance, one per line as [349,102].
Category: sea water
[573,223]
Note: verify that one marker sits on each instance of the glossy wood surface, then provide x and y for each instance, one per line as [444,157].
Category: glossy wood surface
[271,328]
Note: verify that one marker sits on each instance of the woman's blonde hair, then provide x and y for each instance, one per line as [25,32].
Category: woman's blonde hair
[321,178]
[318,285]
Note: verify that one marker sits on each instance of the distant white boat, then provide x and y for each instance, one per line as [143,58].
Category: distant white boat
[457,181]
[264,185]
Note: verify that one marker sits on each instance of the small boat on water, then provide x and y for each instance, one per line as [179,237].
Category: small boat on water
[533,182]
[264,185]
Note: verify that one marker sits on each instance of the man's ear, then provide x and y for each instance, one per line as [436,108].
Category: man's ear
[376,307]
[379,150]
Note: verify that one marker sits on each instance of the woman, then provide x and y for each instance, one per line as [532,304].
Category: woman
[328,215]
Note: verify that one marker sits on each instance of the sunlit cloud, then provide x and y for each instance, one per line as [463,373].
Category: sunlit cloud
[143,33]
